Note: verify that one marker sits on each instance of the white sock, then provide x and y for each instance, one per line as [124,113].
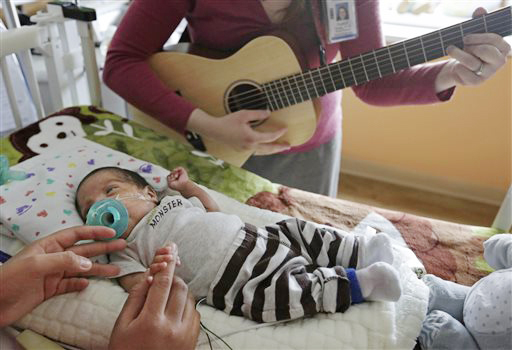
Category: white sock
[374,249]
[379,281]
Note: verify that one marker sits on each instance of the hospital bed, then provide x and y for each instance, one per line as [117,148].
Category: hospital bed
[94,137]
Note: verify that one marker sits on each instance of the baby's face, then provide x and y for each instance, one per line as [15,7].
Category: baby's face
[105,184]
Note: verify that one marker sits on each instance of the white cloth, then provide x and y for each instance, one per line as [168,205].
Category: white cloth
[203,239]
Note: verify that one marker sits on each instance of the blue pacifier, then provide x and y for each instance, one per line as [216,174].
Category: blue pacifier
[6,174]
[110,213]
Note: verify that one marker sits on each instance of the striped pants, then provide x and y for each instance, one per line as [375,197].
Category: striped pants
[285,271]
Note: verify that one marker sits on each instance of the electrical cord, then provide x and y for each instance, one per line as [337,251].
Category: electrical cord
[256,326]
[204,328]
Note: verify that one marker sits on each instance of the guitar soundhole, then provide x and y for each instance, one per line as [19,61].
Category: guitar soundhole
[246,95]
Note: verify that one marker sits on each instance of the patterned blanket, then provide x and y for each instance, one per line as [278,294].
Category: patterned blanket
[449,250]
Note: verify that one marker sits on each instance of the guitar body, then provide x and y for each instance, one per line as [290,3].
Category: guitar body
[265,74]
[208,82]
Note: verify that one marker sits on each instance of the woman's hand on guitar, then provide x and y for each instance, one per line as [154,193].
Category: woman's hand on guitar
[482,56]
[235,130]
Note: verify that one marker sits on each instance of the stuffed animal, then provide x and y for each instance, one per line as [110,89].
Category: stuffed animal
[477,317]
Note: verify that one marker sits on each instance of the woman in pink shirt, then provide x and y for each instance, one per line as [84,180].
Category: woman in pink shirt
[228,25]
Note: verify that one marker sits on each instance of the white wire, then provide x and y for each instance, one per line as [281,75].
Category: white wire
[228,334]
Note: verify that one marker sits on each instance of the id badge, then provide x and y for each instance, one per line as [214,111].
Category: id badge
[341,24]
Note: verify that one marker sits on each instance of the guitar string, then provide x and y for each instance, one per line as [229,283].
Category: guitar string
[409,51]
[370,67]
[418,44]
[327,69]
[282,95]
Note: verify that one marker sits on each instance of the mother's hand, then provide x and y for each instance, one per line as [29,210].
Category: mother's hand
[158,314]
[53,265]
[483,55]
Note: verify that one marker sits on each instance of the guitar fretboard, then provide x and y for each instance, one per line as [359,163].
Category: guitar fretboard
[376,64]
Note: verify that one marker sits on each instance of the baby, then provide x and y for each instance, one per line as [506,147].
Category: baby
[282,271]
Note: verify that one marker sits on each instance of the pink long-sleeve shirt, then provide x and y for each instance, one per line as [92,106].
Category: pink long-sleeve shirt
[228,25]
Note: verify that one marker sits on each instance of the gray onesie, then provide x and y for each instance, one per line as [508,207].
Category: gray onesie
[282,271]
[203,239]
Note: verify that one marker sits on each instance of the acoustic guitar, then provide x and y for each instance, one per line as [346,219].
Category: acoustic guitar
[265,74]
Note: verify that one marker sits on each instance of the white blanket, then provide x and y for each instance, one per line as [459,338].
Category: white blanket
[86,319]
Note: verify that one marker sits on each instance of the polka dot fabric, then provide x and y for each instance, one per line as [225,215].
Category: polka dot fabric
[45,201]
[488,308]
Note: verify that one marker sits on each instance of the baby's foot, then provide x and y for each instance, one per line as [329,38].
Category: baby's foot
[379,281]
[374,249]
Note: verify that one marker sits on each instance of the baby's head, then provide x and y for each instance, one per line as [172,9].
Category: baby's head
[116,183]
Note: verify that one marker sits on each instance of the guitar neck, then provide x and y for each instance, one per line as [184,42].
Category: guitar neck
[378,63]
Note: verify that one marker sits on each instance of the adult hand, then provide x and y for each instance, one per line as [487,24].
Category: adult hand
[236,131]
[482,56]
[159,313]
[51,266]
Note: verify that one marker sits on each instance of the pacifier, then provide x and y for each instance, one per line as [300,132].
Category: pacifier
[110,213]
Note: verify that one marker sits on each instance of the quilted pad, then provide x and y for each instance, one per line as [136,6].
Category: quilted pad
[86,319]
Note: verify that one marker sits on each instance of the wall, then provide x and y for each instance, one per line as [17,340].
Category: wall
[462,147]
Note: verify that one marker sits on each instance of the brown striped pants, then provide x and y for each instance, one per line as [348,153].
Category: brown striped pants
[285,271]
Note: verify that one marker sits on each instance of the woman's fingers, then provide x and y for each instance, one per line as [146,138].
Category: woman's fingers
[488,39]
[479,12]
[487,54]
[135,302]
[466,76]
[191,318]
[101,270]
[465,58]
[271,148]
[190,314]
[482,56]
[254,116]
[158,293]
[69,236]
[74,284]
[177,300]
[98,248]
[65,262]
[269,136]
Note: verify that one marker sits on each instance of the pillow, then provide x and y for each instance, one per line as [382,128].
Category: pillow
[45,202]
[113,131]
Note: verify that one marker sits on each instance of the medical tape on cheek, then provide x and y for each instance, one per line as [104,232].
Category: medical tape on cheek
[131,196]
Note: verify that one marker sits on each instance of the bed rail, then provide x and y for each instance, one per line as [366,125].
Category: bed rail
[49,37]
[503,220]
[20,41]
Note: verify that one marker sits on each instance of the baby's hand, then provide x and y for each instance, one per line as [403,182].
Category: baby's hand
[177,179]
[162,257]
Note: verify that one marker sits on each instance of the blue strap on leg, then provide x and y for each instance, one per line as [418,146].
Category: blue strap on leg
[355,289]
